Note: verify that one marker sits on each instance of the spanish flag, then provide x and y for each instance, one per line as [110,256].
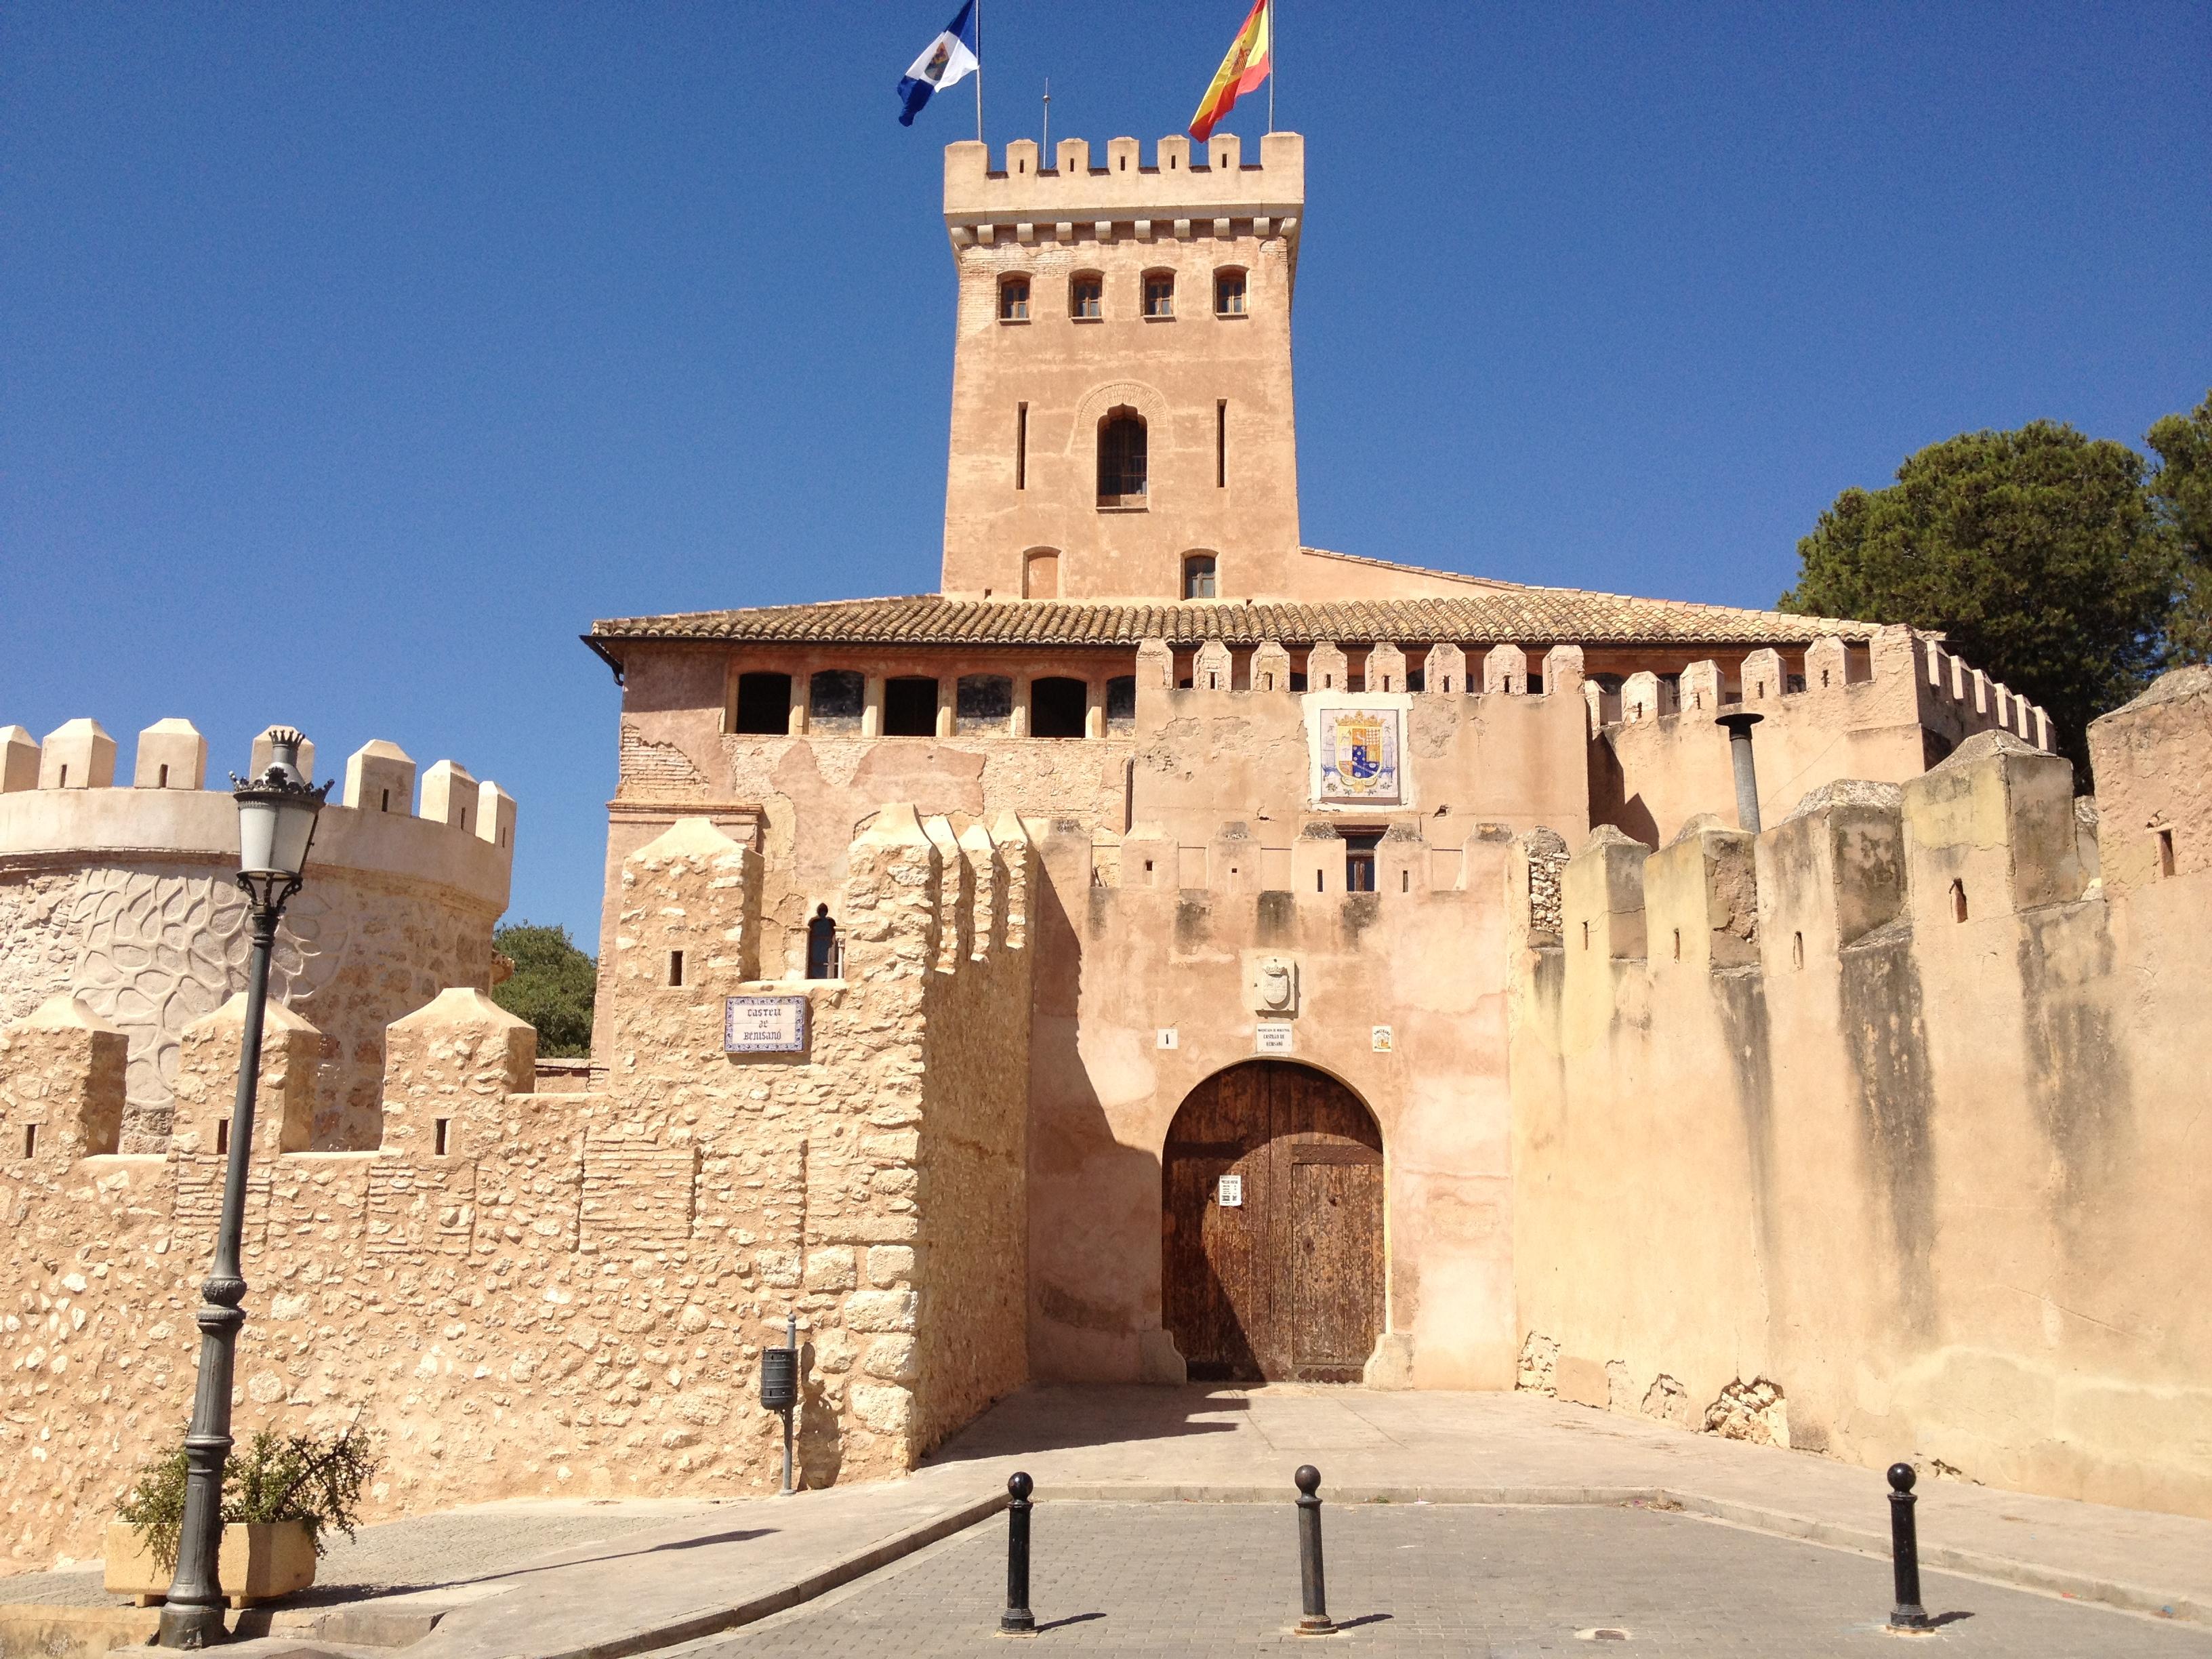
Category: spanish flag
[1242,71]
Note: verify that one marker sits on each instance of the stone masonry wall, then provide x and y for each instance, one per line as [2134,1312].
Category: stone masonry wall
[543,1294]
[1881,1134]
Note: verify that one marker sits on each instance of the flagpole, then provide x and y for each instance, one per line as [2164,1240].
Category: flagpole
[979,77]
[1272,7]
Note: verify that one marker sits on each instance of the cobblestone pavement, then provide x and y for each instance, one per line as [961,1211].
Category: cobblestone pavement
[421,1552]
[1510,1584]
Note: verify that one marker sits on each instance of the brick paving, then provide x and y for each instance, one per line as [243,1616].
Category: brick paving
[1507,1582]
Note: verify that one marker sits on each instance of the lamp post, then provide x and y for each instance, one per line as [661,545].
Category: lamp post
[276,825]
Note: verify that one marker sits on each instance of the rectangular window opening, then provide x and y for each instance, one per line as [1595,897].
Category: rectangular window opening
[222,1136]
[30,1140]
[163,782]
[2165,851]
[1221,444]
[1320,881]
[675,968]
[1405,881]
[442,1127]
[1359,862]
[387,807]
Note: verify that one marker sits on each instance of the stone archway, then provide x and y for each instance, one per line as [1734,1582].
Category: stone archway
[1284,1281]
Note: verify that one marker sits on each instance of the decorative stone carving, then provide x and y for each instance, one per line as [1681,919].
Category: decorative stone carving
[1275,987]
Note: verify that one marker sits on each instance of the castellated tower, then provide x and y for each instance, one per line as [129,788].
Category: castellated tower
[1122,414]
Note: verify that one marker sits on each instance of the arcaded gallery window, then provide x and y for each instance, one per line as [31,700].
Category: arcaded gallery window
[1160,296]
[1086,296]
[1122,703]
[1013,299]
[982,701]
[763,705]
[834,699]
[1121,458]
[1199,576]
[1056,707]
[1229,294]
[910,707]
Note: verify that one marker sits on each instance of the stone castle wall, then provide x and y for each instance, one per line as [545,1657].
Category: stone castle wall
[125,896]
[544,1294]
[1881,1134]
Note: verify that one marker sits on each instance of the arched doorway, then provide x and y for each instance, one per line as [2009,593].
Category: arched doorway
[1275,1273]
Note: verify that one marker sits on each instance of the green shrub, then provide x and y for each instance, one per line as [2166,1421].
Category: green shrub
[315,1479]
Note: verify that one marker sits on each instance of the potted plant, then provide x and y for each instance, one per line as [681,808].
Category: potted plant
[281,1496]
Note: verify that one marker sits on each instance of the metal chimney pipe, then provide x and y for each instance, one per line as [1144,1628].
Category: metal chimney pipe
[1747,774]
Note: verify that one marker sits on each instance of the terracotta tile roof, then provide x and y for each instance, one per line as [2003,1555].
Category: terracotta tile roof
[1522,616]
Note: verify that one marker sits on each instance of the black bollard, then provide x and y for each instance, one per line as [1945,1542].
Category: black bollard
[1904,1550]
[1315,1620]
[1018,1619]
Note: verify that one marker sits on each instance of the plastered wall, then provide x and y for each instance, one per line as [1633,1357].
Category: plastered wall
[546,1294]
[1880,1134]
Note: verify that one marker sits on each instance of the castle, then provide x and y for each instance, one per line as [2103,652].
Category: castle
[1171,952]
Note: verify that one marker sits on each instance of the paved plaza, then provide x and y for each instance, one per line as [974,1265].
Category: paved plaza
[1423,1579]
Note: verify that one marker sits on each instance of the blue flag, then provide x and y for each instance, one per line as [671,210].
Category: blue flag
[948,59]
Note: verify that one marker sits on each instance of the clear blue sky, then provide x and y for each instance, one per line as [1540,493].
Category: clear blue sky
[353,357]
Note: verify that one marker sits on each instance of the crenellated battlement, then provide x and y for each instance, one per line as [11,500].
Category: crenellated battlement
[1183,192]
[1898,1056]
[1885,708]
[122,893]
[610,1262]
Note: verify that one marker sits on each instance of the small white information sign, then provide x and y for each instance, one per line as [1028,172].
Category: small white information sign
[1230,1193]
[1273,1037]
[1384,1043]
[764,1025]
[1167,1037]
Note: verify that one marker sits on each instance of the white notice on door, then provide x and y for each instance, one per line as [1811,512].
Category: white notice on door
[1274,1037]
[1230,1193]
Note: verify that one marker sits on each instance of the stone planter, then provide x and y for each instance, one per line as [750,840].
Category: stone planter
[261,1560]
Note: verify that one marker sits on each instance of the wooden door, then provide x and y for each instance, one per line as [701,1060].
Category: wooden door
[1287,1285]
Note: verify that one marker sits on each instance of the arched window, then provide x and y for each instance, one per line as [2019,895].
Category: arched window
[1121,458]
[1229,292]
[1200,571]
[1160,296]
[1086,296]
[983,700]
[1122,703]
[1040,574]
[1013,299]
[825,950]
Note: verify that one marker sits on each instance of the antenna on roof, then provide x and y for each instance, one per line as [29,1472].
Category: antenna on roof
[1046,149]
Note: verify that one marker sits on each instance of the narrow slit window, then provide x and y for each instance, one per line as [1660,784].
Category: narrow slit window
[1958,900]
[64,777]
[825,950]
[1405,881]
[1678,944]
[675,968]
[1221,444]
[443,1126]
[2165,851]
[30,1140]
[387,807]
[1797,950]
[1320,881]
[1586,936]
[163,782]
[222,1136]
[1021,446]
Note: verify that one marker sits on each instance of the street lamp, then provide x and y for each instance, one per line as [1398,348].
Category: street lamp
[276,825]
